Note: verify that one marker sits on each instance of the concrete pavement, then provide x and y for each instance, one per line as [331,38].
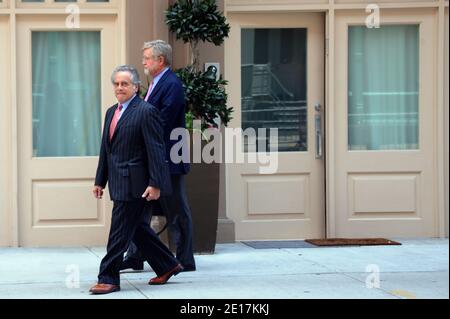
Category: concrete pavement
[417,269]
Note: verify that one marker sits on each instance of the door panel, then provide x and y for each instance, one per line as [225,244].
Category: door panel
[385,171]
[64,76]
[276,77]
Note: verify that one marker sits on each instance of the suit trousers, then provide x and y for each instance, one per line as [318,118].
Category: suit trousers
[127,225]
[178,214]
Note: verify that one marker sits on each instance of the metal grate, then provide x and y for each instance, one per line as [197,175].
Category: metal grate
[278,244]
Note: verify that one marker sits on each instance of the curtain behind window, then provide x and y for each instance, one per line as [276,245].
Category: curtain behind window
[66,93]
[383,97]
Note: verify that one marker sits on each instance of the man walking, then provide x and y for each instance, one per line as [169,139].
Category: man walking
[166,94]
[132,163]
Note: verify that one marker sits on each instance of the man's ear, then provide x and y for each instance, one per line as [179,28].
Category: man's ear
[163,61]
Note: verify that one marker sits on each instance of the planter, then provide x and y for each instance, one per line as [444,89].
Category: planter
[202,186]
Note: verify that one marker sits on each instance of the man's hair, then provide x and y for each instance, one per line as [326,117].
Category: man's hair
[160,48]
[127,68]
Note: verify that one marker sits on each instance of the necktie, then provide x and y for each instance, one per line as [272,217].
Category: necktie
[149,91]
[114,121]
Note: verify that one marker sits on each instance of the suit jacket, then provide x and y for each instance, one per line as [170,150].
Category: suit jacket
[168,97]
[134,158]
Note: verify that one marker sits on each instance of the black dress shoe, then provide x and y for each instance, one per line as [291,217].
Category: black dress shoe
[132,264]
[188,268]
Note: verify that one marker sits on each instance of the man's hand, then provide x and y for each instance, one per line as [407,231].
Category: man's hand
[151,193]
[98,192]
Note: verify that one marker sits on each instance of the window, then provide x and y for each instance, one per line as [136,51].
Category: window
[383,88]
[273,74]
[66,93]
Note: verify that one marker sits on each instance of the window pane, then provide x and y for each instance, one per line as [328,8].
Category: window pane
[66,94]
[273,74]
[383,96]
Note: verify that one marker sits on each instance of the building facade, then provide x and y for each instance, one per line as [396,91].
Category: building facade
[357,89]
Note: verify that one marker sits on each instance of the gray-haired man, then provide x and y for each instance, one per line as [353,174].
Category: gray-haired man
[132,163]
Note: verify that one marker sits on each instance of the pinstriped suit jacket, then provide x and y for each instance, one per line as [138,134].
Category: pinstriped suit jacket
[138,140]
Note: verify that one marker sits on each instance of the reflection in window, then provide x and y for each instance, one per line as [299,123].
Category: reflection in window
[273,74]
[383,88]
[66,93]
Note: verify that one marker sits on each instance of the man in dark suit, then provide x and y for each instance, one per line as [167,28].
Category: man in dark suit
[132,162]
[166,94]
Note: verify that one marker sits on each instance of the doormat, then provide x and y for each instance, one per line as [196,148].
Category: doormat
[352,242]
[278,244]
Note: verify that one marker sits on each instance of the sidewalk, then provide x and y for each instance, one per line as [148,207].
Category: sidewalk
[417,269]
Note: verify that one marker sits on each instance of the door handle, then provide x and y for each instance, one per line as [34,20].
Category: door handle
[318,131]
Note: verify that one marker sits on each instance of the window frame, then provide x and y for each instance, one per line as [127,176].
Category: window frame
[421,17]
